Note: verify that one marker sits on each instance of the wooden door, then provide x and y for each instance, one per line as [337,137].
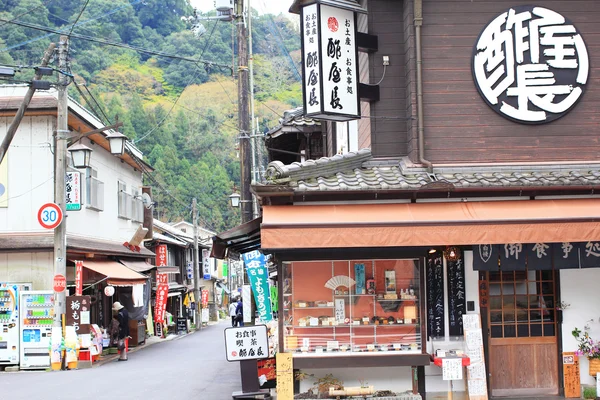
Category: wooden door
[523,353]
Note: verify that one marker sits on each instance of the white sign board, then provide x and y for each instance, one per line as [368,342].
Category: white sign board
[246,343]
[205,264]
[452,369]
[310,55]
[340,310]
[73,191]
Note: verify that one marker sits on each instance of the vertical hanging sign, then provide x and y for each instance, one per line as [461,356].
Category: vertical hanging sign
[161,255]
[456,296]
[434,275]
[73,191]
[330,63]
[258,274]
[205,264]
[78,278]
[162,291]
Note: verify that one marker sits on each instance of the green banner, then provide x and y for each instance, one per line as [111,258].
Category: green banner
[258,274]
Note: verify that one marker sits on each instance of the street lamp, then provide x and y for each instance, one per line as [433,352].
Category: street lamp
[234,199]
[81,155]
[116,141]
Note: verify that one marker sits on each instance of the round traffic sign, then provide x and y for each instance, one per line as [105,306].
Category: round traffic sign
[50,216]
[59,284]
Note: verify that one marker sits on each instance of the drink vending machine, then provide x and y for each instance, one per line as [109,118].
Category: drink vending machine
[37,317]
[9,321]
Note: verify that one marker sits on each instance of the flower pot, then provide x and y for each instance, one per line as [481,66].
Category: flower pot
[594,366]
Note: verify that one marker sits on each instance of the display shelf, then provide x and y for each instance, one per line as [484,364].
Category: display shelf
[313,308]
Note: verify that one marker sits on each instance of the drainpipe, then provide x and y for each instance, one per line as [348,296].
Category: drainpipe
[418,10]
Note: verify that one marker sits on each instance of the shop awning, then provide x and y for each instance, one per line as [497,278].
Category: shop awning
[241,239]
[430,224]
[138,266]
[117,274]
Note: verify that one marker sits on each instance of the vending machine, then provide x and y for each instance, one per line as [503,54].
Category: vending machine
[37,317]
[9,321]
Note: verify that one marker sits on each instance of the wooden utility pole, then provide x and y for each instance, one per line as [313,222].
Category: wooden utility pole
[60,169]
[14,125]
[197,315]
[243,116]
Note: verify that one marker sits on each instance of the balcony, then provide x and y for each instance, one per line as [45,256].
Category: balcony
[95,194]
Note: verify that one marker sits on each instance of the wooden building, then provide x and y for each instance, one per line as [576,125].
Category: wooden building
[473,190]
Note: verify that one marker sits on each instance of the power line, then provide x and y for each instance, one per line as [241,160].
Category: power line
[116,44]
[78,16]
[44,4]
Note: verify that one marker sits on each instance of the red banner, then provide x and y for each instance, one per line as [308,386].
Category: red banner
[204,298]
[162,291]
[78,278]
[161,255]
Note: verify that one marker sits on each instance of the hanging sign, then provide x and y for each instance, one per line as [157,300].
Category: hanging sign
[162,291]
[189,270]
[78,313]
[161,255]
[205,264]
[109,291]
[258,274]
[73,191]
[204,298]
[78,278]
[531,65]
[434,276]
[329,61]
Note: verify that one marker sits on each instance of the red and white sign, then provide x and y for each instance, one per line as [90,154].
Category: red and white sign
[162,291]
[50,216]
[161,255]
[204,298]
[78,278]
[59,283]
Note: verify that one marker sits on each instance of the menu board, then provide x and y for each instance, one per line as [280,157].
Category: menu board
[476,375]
[434,276]
[456,296]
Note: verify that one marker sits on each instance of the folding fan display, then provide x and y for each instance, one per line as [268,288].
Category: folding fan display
[340,280]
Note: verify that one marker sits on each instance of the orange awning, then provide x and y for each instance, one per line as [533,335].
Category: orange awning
[430,224]
[117,274]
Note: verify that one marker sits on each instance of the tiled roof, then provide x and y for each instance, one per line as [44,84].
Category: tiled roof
[294,117]
[359,171]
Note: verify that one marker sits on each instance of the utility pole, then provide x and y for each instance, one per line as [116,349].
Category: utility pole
[255,174]
[243,116]
[197,316]
[60,169]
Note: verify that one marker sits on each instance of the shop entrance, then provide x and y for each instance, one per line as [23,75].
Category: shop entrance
[523,354]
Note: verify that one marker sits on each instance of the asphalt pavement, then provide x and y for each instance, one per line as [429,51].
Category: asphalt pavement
[191,367]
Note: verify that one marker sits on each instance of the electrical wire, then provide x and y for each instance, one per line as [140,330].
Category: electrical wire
[44,4]
[30,190]
[78,16]
[181,93]
[281,43]
[120,45]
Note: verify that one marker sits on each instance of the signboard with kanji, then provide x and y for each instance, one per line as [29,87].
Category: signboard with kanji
[204,298]
[258,274]
[162,291]
[246,343]
[73,191]
[78,313]
[78,278]
[161,255]
[205,264]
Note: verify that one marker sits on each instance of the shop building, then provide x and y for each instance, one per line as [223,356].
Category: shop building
[465,193]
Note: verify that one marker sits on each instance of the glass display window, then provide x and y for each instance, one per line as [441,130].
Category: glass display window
[351,306]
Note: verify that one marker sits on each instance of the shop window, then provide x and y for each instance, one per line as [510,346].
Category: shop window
[358,306]
[125,203]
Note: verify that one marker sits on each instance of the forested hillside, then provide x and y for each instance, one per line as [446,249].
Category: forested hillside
[172,87]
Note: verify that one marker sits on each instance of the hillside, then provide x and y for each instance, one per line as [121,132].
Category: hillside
[134,59]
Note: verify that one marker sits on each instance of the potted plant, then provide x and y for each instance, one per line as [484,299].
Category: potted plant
[589,348]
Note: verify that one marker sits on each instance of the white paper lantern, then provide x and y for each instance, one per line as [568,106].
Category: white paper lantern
[109,291]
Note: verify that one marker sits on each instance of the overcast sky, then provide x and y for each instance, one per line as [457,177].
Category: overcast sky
[263,6]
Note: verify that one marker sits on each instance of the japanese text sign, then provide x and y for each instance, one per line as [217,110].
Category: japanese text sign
[204,298]
[78,278]
[73,191]
[205,264]
[78,313]
[531,65]
[161,255]
[246,343]
[162,292]
[258,274]
[329,59]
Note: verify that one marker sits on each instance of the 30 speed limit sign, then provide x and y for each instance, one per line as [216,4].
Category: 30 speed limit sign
[50,216]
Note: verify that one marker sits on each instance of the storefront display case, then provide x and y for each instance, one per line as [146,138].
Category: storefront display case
[352,307]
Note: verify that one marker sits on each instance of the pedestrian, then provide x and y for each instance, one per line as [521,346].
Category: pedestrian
[239,313]
[123,318]
[232,313]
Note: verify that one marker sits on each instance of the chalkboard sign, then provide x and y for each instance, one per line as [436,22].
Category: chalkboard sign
[456,296]
[181,325]
[435,296]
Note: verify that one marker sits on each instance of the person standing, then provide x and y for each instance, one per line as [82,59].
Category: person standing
[239,313]
[232,314]
[123,318]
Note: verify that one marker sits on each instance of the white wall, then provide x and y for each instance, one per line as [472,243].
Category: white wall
[396,379]
[35,268]
[579,288]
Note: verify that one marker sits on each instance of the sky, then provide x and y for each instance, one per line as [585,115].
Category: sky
[263,6]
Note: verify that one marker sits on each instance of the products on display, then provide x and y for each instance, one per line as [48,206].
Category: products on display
[36,319]
[376,311]
[9,321]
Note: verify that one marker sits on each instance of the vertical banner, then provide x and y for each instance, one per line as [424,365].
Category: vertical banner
[205,264]
[161,255]
[78,278]
[258,274]
[434,275]
[73,191]
[162,291]
[78,313]
[285,376]
[204,298]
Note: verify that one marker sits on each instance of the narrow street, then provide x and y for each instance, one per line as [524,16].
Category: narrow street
[193,367]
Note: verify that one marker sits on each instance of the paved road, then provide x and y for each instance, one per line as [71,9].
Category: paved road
[190,368]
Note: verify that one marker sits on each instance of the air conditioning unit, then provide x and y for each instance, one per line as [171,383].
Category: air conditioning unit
[224,5]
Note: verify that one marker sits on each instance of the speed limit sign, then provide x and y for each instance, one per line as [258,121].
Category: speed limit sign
[50,216]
